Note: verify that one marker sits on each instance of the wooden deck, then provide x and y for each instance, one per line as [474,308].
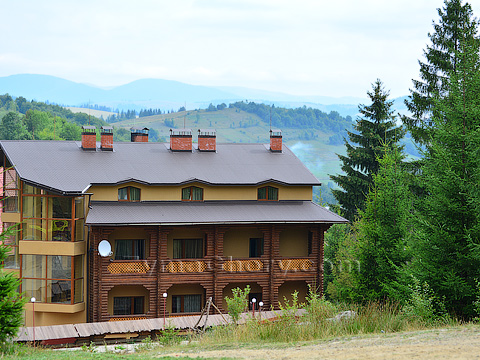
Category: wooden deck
[131,328]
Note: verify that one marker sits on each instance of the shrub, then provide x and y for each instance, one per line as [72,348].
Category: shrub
[238,303]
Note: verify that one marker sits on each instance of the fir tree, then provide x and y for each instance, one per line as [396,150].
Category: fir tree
[456,25]
[375,128]
[447,236]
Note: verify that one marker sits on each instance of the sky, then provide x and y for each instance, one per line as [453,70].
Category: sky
[327,48]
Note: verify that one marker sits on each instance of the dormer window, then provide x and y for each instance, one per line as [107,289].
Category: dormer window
[129,193]
[192,193]
[268,193]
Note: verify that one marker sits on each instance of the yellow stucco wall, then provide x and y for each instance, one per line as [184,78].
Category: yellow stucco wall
[174,193]
[294,242]
[57,314]
[236,242]
[286,290]
[52,247]
[128,290]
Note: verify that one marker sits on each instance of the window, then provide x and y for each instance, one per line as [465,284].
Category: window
[186,303]
[268,193]
[187,248]
[128,305]
[10,190]
[12,260]
[192,193]
[256,247]
[129,193]
[127,249]
[53,278]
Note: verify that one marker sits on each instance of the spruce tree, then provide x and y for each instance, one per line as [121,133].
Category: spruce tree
[378,243]
[456,25]
[375,128]
[11,304]
[447,236]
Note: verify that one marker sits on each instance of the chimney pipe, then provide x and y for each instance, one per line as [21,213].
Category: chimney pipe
[276,140]
[89,137]
[180,139]
[207,140]
[106,138]
[139,134]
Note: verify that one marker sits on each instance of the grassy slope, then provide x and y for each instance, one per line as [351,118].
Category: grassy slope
[316,154]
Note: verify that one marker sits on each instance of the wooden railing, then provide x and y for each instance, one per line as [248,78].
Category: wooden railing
[136,267]
[243,265]
[186,266]
[295,264]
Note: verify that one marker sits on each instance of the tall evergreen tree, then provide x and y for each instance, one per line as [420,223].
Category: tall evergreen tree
[375,128]
[11,304]
[377,244]
[447,236]
[456,26]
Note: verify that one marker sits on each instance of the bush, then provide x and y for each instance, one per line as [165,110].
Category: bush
[238,303]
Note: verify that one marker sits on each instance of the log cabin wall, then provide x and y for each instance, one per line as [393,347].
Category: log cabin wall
[214,272]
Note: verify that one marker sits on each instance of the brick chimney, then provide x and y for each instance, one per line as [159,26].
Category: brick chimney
[180,139]
[139,134]
[106,136]
[89,137]
[276,140]
[207,140]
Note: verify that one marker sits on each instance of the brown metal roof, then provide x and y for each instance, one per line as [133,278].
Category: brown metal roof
[209,212]
[63,166]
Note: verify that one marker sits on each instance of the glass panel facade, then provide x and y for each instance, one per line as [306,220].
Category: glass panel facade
[59,291]
[49,278]
[12,261]
[61,207]
[51,217]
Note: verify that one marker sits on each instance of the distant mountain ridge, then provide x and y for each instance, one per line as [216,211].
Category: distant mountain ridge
[159,93]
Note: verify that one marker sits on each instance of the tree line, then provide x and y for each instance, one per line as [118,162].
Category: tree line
[414,234]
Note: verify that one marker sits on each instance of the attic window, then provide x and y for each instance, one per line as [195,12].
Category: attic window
[129,193]
[268,193]
[192,193]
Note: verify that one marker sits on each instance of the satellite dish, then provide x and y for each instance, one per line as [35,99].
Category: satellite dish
[104,248]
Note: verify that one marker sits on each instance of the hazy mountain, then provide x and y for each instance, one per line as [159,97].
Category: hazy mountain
[164,94]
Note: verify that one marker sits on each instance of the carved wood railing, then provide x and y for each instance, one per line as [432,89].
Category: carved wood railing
[243,265]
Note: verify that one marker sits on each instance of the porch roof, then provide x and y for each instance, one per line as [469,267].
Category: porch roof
[209,212]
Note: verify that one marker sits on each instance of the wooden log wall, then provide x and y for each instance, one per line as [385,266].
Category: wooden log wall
[213,279]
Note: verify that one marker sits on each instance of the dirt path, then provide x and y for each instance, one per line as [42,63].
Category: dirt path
[457,343]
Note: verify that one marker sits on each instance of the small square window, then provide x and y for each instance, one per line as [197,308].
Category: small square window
[268,193]
[129,193]
[192,193]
